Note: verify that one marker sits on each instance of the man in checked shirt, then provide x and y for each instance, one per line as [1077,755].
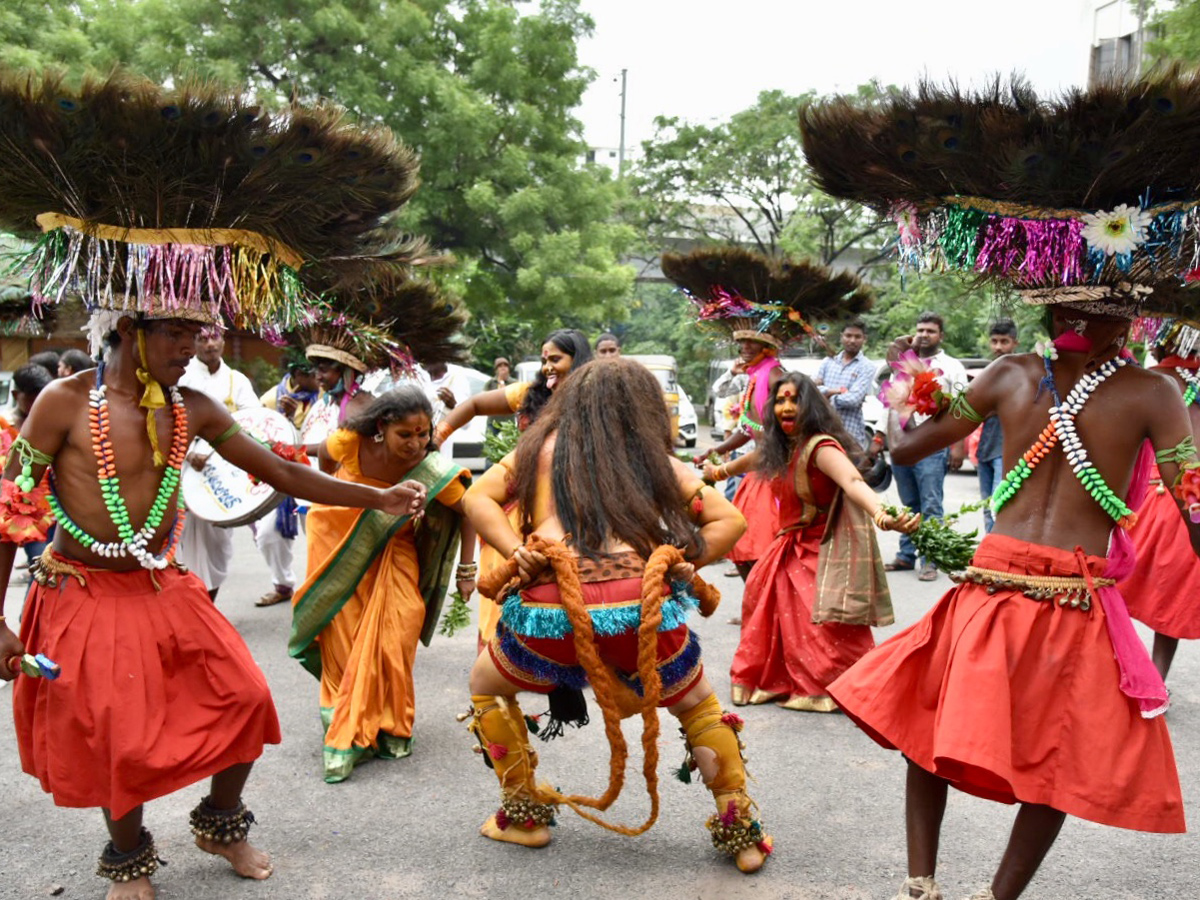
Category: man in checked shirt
[846,378]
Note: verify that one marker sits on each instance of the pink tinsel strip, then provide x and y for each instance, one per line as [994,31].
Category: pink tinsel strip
[1002,247]
[1054,251]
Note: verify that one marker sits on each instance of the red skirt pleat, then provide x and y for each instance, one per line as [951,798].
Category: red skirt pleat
[1016,699]
[1163,590]
[157,690]
[782,650]
[757,502]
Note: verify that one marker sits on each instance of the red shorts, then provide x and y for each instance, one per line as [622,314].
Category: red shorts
[535,648]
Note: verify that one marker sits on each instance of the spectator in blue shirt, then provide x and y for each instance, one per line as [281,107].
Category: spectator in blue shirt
[846,378]
[990,455]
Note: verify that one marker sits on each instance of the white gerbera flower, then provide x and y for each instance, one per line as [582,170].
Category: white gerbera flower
[1118,231]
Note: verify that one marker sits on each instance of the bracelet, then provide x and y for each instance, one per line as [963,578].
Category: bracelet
[722,472]
[466,570]
[879,515]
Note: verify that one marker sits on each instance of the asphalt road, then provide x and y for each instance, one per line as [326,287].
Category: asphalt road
[408,828]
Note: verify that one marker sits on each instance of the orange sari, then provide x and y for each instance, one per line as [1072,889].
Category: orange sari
[368,648]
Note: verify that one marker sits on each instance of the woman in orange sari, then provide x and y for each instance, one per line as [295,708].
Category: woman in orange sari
[376,582]
[806,457]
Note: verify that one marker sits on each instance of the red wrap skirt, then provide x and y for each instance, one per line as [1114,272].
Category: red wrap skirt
[758,503]
[1017,700]
[1163,590]
[157,689]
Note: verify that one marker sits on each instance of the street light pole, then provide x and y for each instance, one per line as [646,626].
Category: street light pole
[621,148]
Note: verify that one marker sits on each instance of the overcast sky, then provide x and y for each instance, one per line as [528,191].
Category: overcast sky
[707,59]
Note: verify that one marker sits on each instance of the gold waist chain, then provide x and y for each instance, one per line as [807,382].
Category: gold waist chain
[1067,590]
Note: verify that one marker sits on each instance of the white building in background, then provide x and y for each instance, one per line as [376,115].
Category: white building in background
[1120,30]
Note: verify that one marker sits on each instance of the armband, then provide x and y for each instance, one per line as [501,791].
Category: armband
[961,408]
[1181,454]
[30,456]
[696,503]
[225,435]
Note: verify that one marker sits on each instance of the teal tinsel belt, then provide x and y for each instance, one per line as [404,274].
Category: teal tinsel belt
[608,621]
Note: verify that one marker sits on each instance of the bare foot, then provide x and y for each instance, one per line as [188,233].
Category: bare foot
[138,889]
[514,834]
[751,859]
[247,860]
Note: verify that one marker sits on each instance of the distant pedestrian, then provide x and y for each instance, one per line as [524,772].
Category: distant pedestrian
[845,380]
[989,456]
[73,361]
[608,346]
[921,484]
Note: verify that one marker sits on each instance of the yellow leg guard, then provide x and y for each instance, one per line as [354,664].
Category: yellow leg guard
[735,828]
[503,736]
[705,725]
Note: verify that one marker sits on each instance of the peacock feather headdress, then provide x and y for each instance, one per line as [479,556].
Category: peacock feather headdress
[191,202]
[400,311]
[1092,197]
[745,295]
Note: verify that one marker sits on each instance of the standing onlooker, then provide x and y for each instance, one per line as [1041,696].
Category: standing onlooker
[846,378]
[47,359]
[206,549]
[73,361]
[608,346]
[920,485]
[501,378]
[275,534]
[447,388]
[989,456]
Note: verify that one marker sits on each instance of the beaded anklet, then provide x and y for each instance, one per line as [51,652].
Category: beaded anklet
[140,862]
[1061,430]
[131,543]
[222,826]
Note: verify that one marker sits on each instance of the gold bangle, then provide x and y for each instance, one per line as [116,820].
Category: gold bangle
[879,515]
[722,472]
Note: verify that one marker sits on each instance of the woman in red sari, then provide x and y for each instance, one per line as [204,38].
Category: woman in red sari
[807,457]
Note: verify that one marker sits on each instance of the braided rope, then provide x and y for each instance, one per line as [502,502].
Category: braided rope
[570,590]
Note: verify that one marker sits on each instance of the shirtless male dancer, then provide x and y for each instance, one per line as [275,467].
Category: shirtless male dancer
[192,701]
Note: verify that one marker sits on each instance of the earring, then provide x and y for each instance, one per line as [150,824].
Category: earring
[1121,342]
[1080,325]
[378,437]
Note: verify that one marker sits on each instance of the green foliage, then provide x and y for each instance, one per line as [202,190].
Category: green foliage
[939,544]
[659,322]
[502,441]
[744,181]
[484,93]
[458,616]
[1178,28]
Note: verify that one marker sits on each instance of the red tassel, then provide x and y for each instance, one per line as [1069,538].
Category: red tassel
[733,720]
[497,751]
[502,819]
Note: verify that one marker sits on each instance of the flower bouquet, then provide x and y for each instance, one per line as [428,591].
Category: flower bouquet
[914,388]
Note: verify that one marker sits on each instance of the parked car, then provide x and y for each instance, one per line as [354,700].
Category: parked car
[688,422]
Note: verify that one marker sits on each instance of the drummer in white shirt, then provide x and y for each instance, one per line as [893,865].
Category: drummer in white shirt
[204,548]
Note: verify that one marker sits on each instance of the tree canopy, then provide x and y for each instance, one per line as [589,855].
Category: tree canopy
[485,93]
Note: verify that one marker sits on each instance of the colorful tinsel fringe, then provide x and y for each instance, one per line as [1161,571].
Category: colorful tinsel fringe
[607,621]
[1043,250]
[243,285]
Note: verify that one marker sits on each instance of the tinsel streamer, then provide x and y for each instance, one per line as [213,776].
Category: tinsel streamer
[1053,251]
[1186,340]
[768,319]
[1001,246]
[959,236]
[1164,235]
